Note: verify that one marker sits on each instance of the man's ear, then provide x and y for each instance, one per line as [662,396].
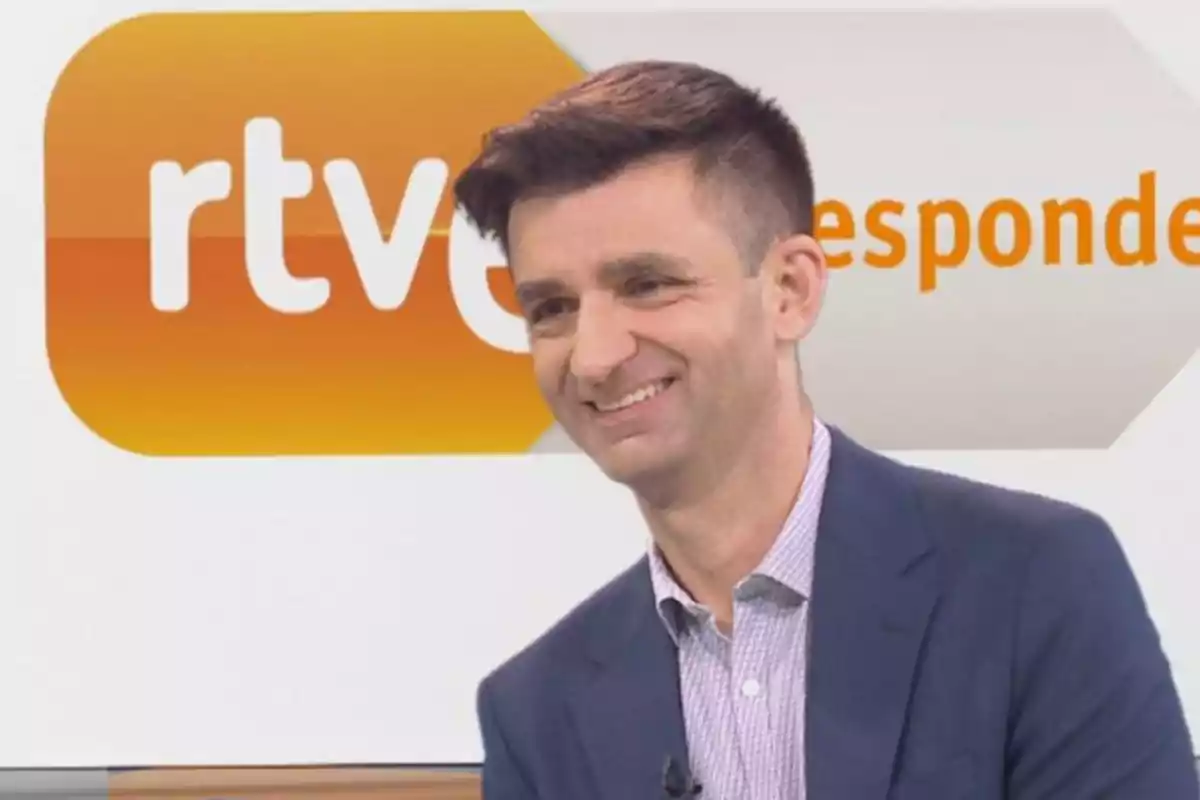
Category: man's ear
[798,272]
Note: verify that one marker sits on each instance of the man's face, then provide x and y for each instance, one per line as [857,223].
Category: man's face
[651,342]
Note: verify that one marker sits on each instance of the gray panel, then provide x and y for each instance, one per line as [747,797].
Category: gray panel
[54,784]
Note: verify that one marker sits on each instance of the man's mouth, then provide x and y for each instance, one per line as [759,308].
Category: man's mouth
[639,395]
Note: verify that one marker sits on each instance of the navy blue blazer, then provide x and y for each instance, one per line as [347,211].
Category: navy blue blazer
[967,643]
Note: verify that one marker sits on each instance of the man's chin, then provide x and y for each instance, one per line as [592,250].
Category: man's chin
[632,460]
[633,463]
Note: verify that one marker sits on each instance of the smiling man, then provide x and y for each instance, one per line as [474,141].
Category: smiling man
[811,619]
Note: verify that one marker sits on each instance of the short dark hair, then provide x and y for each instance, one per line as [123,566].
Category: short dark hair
[636,111]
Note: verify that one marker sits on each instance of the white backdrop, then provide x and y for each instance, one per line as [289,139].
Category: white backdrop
[342,610]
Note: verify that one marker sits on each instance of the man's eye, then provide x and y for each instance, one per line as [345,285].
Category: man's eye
[547,308]
[644,285]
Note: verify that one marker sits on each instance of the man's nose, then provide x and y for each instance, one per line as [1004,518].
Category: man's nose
[602,341]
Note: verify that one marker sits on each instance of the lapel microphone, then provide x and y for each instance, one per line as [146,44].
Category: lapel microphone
[677,780]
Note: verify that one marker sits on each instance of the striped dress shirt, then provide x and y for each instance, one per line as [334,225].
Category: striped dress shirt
[743,695]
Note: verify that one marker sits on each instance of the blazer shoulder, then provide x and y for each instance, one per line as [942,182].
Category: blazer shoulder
[964,513]
[561,653]
[964,516]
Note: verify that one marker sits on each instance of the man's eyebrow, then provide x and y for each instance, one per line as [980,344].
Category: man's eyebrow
[635,264]
[615,271]
[530,292]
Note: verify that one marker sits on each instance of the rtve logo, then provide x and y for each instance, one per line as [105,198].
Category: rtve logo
[386,265]
[251,242]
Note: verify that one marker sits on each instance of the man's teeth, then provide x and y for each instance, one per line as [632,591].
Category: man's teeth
[641,395]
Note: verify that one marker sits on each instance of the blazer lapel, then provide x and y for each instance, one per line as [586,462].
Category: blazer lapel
[629,716]
[873,590]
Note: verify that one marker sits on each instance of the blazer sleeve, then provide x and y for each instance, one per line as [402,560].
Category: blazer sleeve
[502,776]
[1096,712]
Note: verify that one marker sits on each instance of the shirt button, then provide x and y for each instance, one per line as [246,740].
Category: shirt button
[751,688]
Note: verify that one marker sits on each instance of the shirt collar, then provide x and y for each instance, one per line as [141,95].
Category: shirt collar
[786,569]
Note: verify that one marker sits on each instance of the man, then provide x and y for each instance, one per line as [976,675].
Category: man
[812,619]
